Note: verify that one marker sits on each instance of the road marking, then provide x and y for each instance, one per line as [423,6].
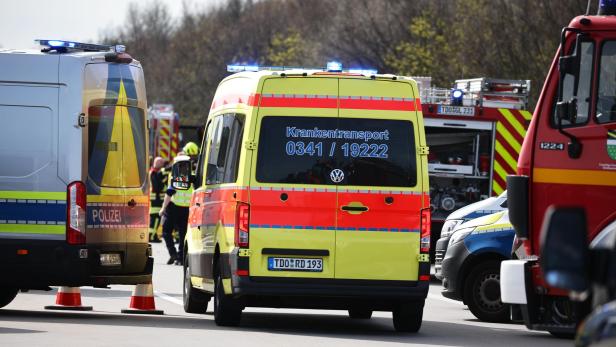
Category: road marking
[169,298]
[441,298]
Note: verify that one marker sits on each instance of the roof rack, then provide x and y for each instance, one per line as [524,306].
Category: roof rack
[62,46]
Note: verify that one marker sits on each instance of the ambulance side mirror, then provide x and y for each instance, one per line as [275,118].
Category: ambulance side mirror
[181,175]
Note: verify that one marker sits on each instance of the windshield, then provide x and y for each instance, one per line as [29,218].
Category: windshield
[305,150]
[606,96]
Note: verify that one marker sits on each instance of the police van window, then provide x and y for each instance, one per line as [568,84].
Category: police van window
[584,86]
[116,146]
[606,96]
[225,147]
[305,150]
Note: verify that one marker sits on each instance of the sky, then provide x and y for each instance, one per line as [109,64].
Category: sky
[23,21]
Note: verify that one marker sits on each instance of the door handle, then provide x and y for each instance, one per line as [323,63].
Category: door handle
[198,204]
[132,203]
[354,208]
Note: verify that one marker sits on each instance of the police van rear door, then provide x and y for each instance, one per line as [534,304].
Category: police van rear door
[117,163]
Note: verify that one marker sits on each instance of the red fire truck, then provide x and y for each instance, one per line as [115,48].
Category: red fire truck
[475,132]
[568,159]
[164,131]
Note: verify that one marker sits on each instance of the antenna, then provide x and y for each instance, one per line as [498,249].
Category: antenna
[588,8]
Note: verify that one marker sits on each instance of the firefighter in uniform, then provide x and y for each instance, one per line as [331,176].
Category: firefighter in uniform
[175,212]
[158,181]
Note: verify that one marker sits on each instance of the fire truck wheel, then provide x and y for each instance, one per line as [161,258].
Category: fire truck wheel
[7,295]
[195,301]
[408,316]
[482,293]
[227,311]
[360,313]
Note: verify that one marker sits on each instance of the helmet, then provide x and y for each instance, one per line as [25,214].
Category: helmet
[191,148]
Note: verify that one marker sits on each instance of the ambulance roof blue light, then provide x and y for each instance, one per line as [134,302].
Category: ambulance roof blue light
[240,68]
[368,72]
[334,66]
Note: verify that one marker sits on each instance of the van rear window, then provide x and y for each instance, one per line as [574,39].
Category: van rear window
[366,152]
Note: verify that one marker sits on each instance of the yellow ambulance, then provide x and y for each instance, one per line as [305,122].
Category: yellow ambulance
[311,191]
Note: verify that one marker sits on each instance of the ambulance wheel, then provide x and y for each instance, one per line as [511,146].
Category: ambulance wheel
[360,313]
[482,293]
[408,316]
[227,311]
[195,301]
[7,295]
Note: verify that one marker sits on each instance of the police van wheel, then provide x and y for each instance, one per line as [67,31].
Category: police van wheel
[360,313]
[7,295]
[482,293]
[195,301]
[408,316]
[227,311]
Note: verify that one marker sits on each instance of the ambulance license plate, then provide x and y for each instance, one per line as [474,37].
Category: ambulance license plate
[295,264]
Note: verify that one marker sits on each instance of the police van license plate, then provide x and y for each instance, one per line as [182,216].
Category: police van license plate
[295,264]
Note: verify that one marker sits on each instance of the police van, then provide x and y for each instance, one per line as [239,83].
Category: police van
[73,168]
[311,191]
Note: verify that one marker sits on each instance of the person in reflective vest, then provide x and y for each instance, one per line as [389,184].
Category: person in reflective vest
[158,181]
[174,212]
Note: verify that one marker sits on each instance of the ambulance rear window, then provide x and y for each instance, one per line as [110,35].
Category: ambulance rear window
[305,150]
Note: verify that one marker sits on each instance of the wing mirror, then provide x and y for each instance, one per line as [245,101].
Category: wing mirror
[565,257]
[181,173]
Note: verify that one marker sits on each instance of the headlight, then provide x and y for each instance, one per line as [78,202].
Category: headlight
[460,234]
[448,227]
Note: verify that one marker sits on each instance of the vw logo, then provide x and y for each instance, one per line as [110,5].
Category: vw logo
[336,175]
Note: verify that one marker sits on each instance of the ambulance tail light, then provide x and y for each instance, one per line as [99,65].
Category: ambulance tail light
[242,224]
[426,220]
[76,213]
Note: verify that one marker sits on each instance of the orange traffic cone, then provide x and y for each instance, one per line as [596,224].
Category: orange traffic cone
[68,298]
[142,300]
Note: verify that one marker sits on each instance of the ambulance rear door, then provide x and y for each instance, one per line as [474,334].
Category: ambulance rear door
[380,188]
[292,200]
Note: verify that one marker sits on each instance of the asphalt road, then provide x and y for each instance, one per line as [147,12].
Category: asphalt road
[446,322]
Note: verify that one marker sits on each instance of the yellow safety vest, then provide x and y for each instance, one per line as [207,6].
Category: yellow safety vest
[182,197]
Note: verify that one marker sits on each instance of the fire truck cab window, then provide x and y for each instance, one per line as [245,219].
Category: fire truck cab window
[584,85]
[606,96]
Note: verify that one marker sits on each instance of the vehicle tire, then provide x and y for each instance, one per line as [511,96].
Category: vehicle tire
[7,295]
[227,311]
[408,316]
[482,293]
[195,301]
[360,313]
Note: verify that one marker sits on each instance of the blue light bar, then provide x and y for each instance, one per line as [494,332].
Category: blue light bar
[368,72]
[334,66]
[241,68]
[61,45]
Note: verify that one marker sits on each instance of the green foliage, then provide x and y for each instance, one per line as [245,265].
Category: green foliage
[286,50]
[428,52]
[184,59]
